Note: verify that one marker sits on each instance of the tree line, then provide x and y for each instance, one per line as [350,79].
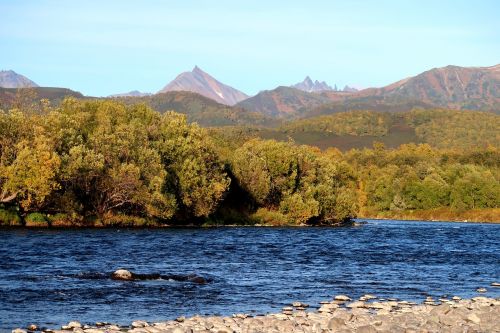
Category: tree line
[104,163]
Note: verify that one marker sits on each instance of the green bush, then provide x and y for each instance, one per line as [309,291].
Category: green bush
[36,220]
[270,217]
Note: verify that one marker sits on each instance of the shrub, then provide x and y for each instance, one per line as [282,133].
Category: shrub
[9,218]
[36,220]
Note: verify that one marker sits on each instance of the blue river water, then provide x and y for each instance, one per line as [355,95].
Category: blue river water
[50,277]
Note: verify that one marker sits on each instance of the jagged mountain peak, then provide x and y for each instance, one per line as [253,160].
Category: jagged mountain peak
[310,86]
[204,84]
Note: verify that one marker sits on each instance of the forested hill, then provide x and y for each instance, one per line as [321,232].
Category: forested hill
[361,129]
[200,109]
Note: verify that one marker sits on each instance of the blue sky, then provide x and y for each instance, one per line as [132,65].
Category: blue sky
[105,47]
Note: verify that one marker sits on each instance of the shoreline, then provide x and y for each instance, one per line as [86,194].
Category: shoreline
[368,314]
[355,223]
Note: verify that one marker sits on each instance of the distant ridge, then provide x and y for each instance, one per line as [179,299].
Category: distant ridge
[10,79]
[133,93]
[202,83]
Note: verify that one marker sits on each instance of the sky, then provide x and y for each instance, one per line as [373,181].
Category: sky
[106,47]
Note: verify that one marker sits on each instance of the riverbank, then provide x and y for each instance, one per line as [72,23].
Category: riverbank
[62,221]
[365,315]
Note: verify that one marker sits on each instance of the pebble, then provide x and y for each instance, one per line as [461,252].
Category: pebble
[343,298]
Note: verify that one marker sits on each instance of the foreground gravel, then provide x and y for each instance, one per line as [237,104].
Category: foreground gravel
[365,315]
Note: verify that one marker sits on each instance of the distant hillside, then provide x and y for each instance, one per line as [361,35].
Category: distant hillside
[283,102]
[371,103]
[450,86]
[200,109]
[202,83]
[10,79]
[9,96]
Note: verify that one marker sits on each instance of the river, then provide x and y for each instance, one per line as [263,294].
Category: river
[50,277]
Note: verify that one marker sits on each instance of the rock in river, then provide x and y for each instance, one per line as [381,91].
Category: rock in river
[122,274]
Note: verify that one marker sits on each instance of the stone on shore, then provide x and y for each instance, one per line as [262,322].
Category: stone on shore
[19,330]
[74,324]
[342,298]
[139,324]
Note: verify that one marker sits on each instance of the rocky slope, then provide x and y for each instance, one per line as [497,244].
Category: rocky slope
[451,86]
[10,79]
[202,83]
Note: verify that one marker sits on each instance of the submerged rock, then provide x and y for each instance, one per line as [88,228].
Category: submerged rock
[122,274]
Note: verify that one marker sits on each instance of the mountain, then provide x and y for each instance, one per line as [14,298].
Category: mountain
[202,83]
[133,93]
[10,79]
[451,86]
[283,102]
[309,86]
[200,109]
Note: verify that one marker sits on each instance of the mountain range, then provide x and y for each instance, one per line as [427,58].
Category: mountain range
[202,83]
[475,88]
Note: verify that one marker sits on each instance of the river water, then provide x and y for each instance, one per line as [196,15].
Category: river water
[50,277]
